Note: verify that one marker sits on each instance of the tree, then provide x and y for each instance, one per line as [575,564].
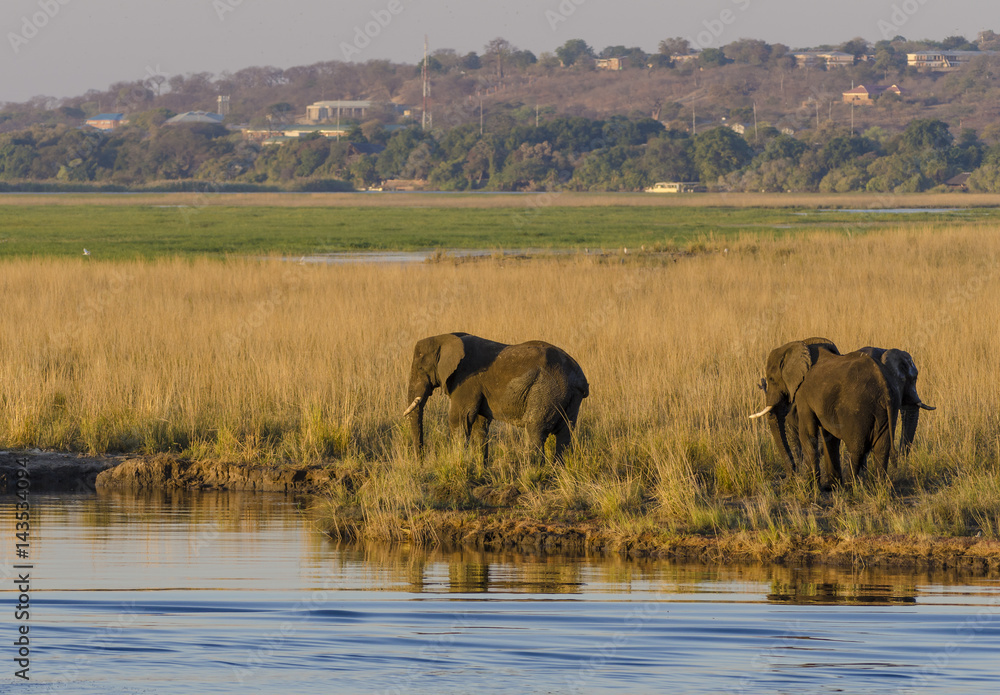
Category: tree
[783,147]
[748,51]
[498,51]
[712,57]
[718,152]
[434,64]
[958,43]
[522,59]
[926,133]
[675,47]
[670,157]
[843,149]
[856,47]
[471,61]
[573,51]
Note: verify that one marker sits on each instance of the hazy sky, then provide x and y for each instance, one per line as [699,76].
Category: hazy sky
[65,47]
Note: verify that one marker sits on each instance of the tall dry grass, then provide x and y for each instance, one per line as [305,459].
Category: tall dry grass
[270,361]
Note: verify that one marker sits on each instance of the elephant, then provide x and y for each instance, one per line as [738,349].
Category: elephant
[845,398]
[785,368]
[901,374]
[533,385]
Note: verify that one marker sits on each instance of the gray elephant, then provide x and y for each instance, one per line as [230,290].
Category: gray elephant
[901,374]
[845,398]
[533,385]
[785,369]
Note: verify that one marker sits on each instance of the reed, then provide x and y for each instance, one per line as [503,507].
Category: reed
[269,361]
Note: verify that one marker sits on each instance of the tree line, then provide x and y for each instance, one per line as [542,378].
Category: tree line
[511,154]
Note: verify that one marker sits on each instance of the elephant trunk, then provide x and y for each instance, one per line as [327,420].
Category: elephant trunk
[418,395]
[911,416]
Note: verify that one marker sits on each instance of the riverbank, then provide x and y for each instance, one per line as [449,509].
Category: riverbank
[60,472]
[508,531]
[500,526]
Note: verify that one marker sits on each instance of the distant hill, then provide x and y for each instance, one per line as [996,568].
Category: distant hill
[701,89]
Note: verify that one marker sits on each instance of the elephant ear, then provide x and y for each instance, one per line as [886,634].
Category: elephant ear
[794,365]
[451,354]
[825,343]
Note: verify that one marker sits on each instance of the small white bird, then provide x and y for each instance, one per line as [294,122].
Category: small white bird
[86,252]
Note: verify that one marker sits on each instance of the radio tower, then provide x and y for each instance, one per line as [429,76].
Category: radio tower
[425,121]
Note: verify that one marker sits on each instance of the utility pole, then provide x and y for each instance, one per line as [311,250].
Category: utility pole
[480,113]
[694,125]
[755,122]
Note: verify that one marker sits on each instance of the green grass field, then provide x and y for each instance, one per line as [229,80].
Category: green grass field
[147,231]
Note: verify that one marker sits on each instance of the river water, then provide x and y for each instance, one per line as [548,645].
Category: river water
[239,593]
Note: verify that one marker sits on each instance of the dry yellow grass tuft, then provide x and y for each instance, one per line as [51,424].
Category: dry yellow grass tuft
[269,361]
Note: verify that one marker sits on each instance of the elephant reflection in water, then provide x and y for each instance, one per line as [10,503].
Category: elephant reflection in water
[831,586]
[818,398]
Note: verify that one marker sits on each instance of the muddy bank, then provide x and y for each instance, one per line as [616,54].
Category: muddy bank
[492,532]
[53,472]
[165,472]
[57,472]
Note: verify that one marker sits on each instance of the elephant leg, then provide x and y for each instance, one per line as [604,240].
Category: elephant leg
[808,431]
[831,459]
[564,437]
[564,428]
[852,466]
[461,417]
[537,434]
[882,451]
[792,436]
[860,463]
[480,436]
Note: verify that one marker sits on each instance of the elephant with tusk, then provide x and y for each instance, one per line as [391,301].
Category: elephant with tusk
[533,385]
[901,374]
[785,368]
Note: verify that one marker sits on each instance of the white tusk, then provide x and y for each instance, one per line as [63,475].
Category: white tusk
[414,404]
[765,411]
[926,407]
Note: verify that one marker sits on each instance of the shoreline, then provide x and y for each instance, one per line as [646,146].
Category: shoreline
[514,200]
[496,531]
[501,528]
